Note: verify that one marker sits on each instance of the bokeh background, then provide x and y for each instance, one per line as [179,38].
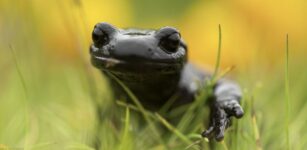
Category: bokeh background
[47,84]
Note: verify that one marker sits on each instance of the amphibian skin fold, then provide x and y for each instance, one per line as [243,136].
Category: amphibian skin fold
[153,65]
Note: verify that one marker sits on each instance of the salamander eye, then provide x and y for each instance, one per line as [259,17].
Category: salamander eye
[170,43]
[99,37]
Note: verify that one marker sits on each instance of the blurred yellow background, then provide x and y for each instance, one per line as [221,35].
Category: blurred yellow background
[253,31]
[48,92]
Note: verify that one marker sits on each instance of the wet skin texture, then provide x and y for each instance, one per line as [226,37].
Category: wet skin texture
[153,65]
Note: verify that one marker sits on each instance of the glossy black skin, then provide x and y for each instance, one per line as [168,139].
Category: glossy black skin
[153,65]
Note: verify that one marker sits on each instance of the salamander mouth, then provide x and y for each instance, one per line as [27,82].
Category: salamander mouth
[118,66]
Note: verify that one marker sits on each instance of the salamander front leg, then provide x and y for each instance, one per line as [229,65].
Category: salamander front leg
[227,96]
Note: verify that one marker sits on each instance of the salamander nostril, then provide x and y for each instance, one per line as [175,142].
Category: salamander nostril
[102,34]
[99,37]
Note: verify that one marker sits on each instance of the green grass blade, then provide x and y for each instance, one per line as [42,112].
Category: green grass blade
[22,80]
[132,107]
[168,104]
[142,110]
[287,93]
[126,139]
[24,86]
[180,135]
[224,145]
[218,57]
